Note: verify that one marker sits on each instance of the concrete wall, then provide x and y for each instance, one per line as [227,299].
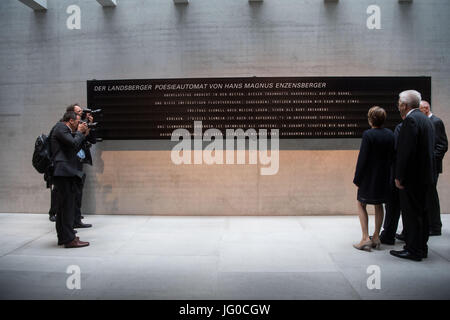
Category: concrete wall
[44,66]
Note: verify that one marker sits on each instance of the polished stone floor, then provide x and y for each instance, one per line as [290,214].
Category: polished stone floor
[154,257]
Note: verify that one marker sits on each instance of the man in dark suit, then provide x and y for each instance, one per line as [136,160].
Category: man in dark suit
[84,156]
[414,174]
[392,206]
[440,148]
[64,147]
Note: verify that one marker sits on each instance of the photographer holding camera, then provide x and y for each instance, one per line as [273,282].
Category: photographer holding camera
[66,139]
[84,156]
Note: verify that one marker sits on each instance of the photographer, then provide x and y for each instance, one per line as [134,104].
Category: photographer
[84,156]
[66,139]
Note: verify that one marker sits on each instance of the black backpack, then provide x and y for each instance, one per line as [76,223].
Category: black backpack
[42,160]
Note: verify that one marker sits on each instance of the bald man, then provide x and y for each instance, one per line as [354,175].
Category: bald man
[440,148]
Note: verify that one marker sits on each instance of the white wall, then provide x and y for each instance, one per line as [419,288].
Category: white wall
[44,67]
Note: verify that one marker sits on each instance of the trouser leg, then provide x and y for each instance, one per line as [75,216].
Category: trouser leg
[434,210]
[53,201]
[66,204]
[78,198]
[392,215]
[415,219]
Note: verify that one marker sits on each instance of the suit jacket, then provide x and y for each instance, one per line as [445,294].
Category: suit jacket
[374,164]
[441,144]
[394,158]
[64,147]
[415,164]
[91,139]
[397,134]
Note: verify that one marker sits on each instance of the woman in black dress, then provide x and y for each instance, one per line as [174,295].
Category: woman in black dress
[372,174]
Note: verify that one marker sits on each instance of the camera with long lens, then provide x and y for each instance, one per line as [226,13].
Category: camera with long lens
[94,113]
[92,125]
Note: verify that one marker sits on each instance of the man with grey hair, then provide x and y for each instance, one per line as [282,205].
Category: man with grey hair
[414,174]
[440,148]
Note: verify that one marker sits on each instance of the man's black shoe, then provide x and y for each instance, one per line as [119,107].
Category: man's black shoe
[405,254]
[82,225]
[400,236]
[435,233]
[52,218]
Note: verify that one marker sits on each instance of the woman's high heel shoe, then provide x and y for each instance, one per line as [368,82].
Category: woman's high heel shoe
[376,244]
[364,246]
